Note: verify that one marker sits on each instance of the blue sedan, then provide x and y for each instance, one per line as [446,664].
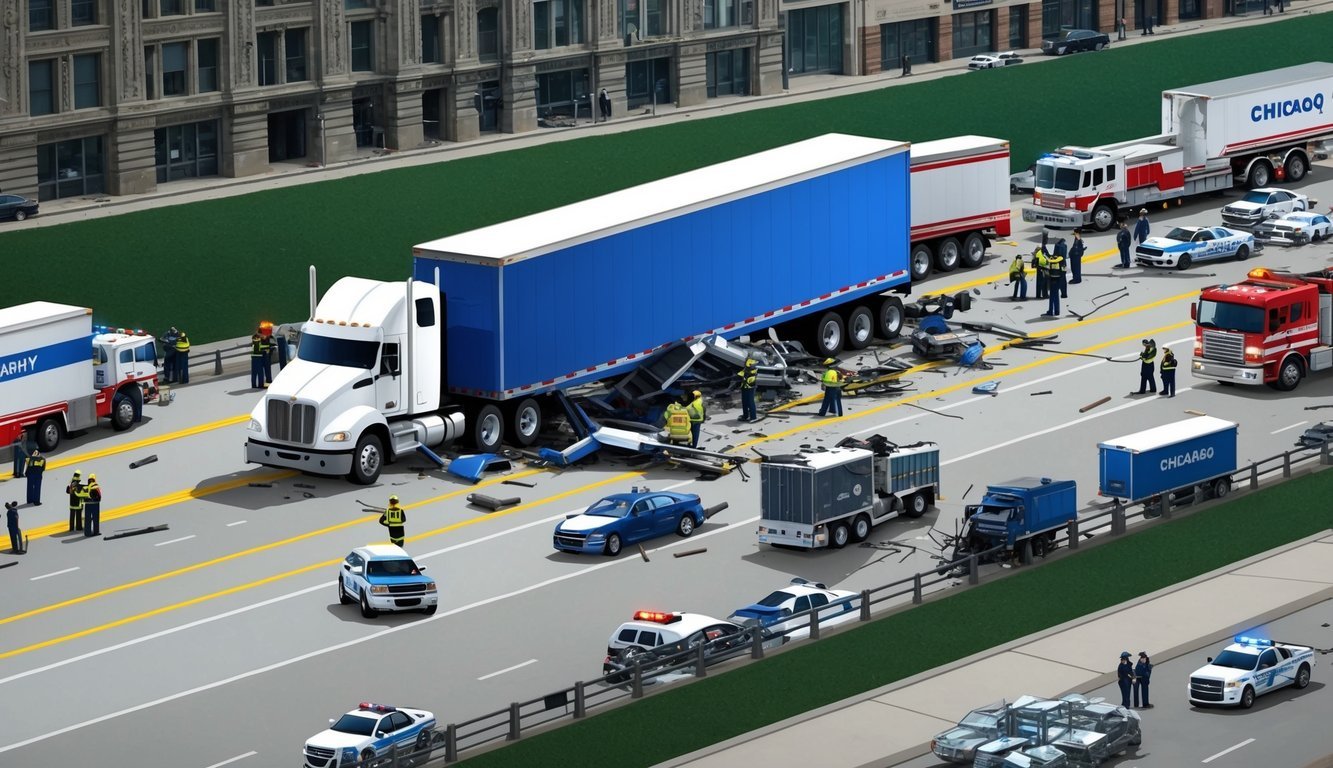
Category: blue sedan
[628,518]
[1184,246]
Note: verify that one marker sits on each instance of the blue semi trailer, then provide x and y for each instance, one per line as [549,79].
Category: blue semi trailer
[1198,451]
[495,319]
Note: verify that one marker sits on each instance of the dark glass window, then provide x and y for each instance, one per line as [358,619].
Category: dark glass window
[488,34]
[150,72]
[352,5]
[814,39]
[87,81]
[720,13]
[728,73]
[172,7]
[175,64]
[70,168]
[41,87]
[82,12]
[294,49]
[208,65]
[425,313]
[557,22]
[268,57]
[559,92]
[914,39]
[41,15]
[432,48]
[205,6]
[363,52]
[973,33]
[1018,26]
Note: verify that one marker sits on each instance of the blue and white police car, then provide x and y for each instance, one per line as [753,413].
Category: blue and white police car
[1183,246]
[382,577]
[1248,668]
[774,613]
[368,732]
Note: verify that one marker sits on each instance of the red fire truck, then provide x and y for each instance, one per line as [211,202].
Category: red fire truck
[1271,328]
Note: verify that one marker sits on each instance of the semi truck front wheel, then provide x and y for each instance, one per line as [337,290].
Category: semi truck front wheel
[47,434]
[1288,375]
[367,460]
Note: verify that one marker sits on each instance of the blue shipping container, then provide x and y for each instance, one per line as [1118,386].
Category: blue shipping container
[1165,458]
[579,292]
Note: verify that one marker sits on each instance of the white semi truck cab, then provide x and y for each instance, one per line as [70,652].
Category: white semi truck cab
[364,387]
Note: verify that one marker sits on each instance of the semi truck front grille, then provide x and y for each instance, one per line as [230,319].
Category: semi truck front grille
[1224,347]
[291,422]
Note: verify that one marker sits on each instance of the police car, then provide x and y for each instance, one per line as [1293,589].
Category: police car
[368,732]
[1248,668]
[656,634]
[1184,246]
[382,577]
[836,606]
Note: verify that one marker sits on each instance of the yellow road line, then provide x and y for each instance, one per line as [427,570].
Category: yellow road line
[296,571]
[144,443]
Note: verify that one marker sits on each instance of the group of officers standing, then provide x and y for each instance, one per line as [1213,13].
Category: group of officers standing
[1049,265]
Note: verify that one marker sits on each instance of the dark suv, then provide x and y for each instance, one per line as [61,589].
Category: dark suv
[1073,41]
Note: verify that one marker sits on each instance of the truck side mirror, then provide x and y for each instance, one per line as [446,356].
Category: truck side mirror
[1194,312]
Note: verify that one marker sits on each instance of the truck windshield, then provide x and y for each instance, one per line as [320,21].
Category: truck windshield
[1050,177]
[1232,317]
[1235,660]
[347,353]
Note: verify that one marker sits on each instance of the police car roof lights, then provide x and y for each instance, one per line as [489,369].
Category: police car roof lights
[657,617]
[366,706]
[808,583]
[1255,641]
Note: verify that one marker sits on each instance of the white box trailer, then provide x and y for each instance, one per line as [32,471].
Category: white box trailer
[960,200]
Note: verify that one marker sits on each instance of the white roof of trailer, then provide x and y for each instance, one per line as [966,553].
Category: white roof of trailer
[957,146]
[1169,434]
[618,211]
[1261,81]
[36,313]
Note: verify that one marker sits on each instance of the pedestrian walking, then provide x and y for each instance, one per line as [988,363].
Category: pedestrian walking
[1280,7]
[1122,241]
[1168,374]
[1141,227]
[92,507]
[257,352]
[749,377]
[169,355]
[1062,251]
[36,468]
[833,384]
[15,533]
[1122,28]
[1146,357]
[21,453]
[678,424]
[394,518]
[604,105]
[697,414]
[1125,677]
[1055,280]
[183,359]
[1076,251]
[907,65]
[1142,674]
[76,499]
[1039,271]
[1268,9]
[1018,278]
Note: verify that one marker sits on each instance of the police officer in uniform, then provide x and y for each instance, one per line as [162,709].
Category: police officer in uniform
[1055,280]
[76,499]
[749,376]
[1142,674]
[832,383]
[1168,374]
[257,351]
[1125,677]
[169,355]
[393,518]
[12,521]
[697,415]
[266,333]
[36,466]
[20,448]
[1039,271]
[1076,252]
[1147,383]
[92,507]
[182,358]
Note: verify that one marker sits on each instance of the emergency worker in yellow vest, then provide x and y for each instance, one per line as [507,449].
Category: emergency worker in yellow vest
[1055,280]
[394,518]
[92,505]
[1039,270]
[678,424]
[1018,277]
[1168,374]
[1146,358]
[697,415]
[76,499]
[833,383]
[182,358]
[258,349]
[749,376]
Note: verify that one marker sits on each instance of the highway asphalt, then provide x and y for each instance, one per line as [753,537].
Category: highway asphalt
[1287,728]
[222,636]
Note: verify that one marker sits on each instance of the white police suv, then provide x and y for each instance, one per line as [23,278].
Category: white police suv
[1248,668]
[382,577]
[368,732]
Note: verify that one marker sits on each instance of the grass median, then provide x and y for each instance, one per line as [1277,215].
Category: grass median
[216,268]
[675,722]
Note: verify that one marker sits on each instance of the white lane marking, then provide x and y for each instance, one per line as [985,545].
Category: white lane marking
[238,522]
[236,759]
[1293,426]
[1056,428]
[1228,750]
[329,649]
[507,669]
[173,541]
[57,573]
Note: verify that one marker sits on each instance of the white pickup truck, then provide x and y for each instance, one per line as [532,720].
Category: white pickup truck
[1248,668]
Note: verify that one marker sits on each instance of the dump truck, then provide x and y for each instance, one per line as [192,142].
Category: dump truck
[1246,130]
[494,322]
[960,202]
[835,497]
[1199,451]
[1023,516]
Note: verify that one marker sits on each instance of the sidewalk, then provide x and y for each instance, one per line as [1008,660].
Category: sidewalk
[803,88]
[895,723]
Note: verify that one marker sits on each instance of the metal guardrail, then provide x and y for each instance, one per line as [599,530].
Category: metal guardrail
[576,701]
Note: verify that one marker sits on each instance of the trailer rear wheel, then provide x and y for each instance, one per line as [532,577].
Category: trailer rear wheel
[47,434]
[1221,487]
[526,422]
[916,505]
[921,261]
[1261,174]
[839,535]
[860,327]
[974,250]
[487,428]
[860,528]
[949,254]
[1296,167]
[828,335]
[1288,375]
[891,315]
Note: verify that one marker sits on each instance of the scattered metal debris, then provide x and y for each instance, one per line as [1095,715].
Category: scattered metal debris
[991,388]
[1097,307]
[965,493]
[1195,413]
[8,564]
[518,483]
[1043,392]
[473,466]
[689,552]
[937,413]
[261,485]
[124,532]
[1092,405]
[492,503]
[302,485]
[643,553]
[143,461]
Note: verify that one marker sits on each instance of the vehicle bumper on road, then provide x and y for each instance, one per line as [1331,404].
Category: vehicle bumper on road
[409,602]
[1143,260]
[1230,697]
[1053,217]
[297,457]
[1236,374]
[585,548]
[1240,222]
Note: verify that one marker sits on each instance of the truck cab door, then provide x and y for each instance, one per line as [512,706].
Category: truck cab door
[389,380]
[144,364]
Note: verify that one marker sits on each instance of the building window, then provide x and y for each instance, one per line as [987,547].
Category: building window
[647,82]
[973,33]
[205,6]
[1190,9]
[87,81]
[728,73]
[82,13]
[719,13]
[268,58]
[559,92]
[557,22]
[294,52]
[172,8]
[41,87]
[432,48]
[1079,14]
[175,64]
[914,39]
[814,39]
[1018,26]
[208,65]
[186,151]
[70,168]
[363,52]
[150,72]
[352,5]
[41,16]
[488,34]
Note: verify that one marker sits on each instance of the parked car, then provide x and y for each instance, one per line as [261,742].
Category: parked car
[1023,181]
[1183,246]
[16,207]
[1073,41]
[653,635]
[839,606]
[627,518]
[367,732]
[1264,203]
[1297,228]
[994,60]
